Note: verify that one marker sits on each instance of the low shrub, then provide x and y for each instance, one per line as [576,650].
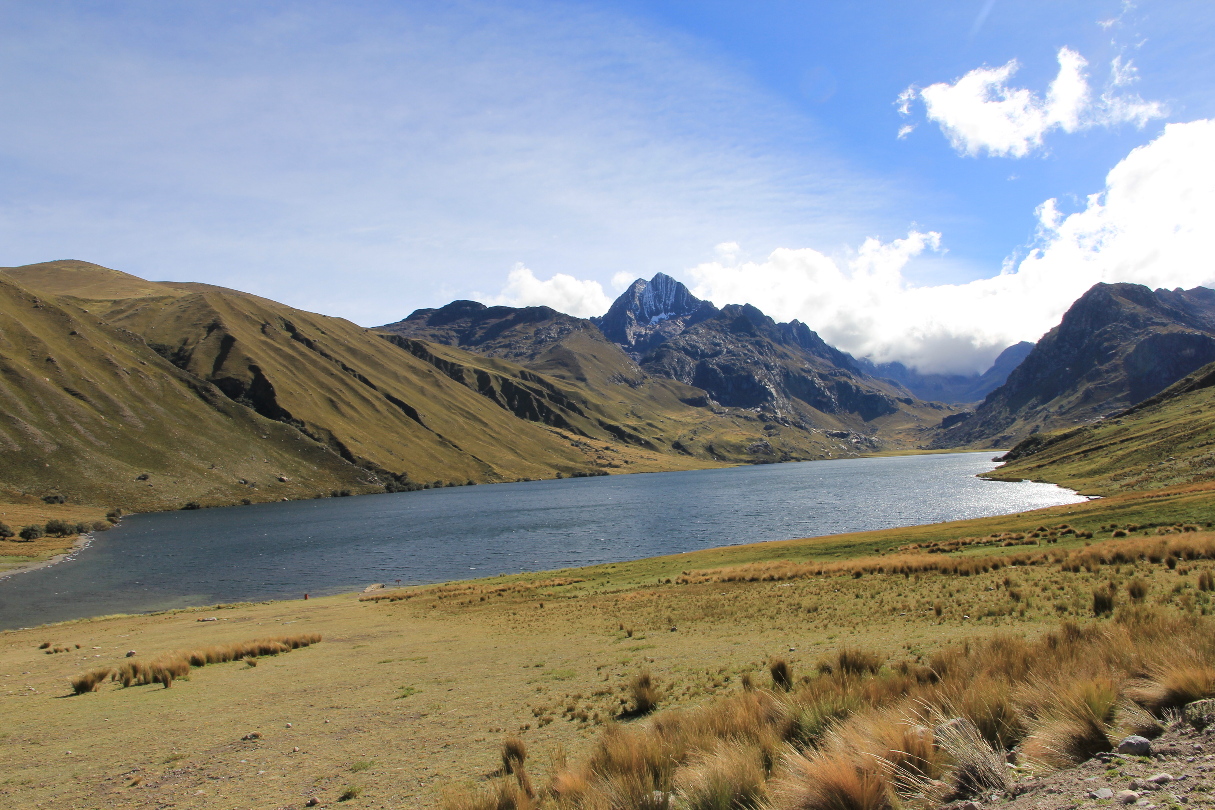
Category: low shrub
[6,531]
[32,532]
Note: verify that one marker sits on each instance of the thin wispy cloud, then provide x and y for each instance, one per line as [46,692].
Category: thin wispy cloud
[983,113]
[314,152]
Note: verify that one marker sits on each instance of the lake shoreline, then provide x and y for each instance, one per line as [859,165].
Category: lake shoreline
[278,551]
[82,542]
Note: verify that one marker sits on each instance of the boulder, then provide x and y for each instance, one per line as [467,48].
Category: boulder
[1135,746]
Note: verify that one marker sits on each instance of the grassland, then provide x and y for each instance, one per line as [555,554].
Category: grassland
[408,697]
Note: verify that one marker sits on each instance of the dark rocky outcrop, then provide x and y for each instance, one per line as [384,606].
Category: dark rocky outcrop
[517,334]
[1117,345]
[743,358]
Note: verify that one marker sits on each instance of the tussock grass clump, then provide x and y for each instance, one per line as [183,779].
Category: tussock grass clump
[514,752]
[858,662]
[499,795]
[782,675]
[644,693]
[732,775]
[823,781]
[90,681]
[1172,684]
[1075,720]
[166,668]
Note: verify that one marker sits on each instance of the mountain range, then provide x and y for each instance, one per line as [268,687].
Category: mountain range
[155,395]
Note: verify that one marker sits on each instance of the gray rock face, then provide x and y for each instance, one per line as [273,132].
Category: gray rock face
[745,359]
[651,312]
[1135,746]
[1101,793]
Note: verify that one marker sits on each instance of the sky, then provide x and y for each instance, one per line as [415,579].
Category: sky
[916,181]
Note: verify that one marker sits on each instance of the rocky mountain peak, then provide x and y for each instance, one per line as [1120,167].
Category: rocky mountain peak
[650,312]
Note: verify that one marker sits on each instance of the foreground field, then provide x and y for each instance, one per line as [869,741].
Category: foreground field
[411,693]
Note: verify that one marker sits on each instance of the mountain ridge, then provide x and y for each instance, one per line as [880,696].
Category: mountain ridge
[1117,345]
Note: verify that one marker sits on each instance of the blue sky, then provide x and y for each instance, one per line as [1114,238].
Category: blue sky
[364,159]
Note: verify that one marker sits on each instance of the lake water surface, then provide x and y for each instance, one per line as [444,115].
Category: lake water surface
[283,550]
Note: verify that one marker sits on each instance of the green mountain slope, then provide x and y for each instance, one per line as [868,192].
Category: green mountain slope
[87,411]
[339,385]
[1167,440]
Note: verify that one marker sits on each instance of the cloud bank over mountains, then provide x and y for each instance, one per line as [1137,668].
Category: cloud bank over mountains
[1149,225]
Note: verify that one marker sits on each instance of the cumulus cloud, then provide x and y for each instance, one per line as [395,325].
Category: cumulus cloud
[981,112]
[1150,225]
[564,293]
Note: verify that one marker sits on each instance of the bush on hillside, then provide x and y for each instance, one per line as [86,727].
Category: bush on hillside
[6,531]
[59,528]
[54,499]
[32,532]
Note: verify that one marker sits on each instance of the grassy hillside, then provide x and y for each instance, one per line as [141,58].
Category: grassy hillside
[88,412]
[1165,441]
[1117,345]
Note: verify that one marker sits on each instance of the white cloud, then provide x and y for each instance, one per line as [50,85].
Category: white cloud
[981,112]
[1149,225]
[562,292]
[621,280]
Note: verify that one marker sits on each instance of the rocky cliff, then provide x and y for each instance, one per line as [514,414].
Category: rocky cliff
[1117,345]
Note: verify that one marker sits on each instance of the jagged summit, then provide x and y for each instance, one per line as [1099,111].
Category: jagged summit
[650,312]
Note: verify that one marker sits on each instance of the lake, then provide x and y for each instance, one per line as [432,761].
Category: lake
[283,550]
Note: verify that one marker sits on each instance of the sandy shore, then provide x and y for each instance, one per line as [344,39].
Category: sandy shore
[82,542]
